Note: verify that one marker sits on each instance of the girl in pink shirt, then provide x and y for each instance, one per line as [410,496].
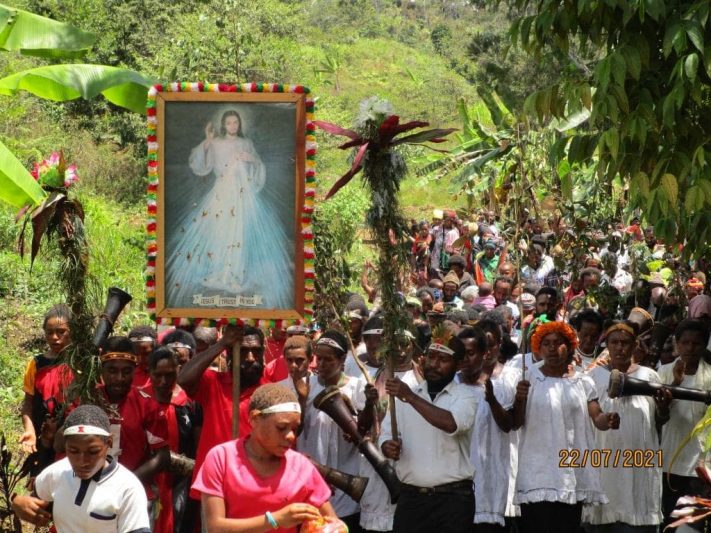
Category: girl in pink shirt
[260,483]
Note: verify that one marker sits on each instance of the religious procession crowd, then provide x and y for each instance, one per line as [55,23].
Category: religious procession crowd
[494,413]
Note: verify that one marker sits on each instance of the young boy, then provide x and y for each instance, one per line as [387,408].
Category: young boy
[89,489]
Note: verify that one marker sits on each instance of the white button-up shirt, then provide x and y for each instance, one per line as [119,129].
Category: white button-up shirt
[430,456]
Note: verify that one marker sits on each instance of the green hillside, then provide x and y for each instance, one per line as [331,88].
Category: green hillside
[413,53]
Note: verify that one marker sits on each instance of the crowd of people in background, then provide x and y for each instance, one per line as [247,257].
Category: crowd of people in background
[499,393]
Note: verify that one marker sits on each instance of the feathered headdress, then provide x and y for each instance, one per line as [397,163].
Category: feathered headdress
[441,335]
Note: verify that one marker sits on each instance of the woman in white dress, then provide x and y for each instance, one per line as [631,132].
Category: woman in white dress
[230,241]
[321,437]
[554,407]
[634,490]
[493,448]
[689,370]
[376,510]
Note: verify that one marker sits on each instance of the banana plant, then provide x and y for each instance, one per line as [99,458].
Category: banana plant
[33,35]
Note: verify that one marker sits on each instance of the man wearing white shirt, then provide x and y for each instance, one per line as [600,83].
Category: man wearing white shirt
[435,420]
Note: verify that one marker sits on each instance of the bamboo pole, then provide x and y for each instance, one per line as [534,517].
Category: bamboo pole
[391,404]
[363,369]
[517,223]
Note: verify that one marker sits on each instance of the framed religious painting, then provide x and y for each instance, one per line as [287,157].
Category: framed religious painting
[230,199]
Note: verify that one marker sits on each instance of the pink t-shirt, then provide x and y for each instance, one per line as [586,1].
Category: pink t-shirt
[228,473]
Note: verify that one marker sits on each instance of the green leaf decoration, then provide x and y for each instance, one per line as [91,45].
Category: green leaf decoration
[694,199]
[671,34]
[566,181]
[33,35]
[633,61]
[670,187]
[17,186]
[655,8]
[691,66]
[640,183]
[696,35]
[122,87]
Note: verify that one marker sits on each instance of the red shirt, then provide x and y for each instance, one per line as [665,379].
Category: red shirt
[141,378]
[165,521]
[46,381]
[139,426]
[276,370]
[273,349]
[214,393]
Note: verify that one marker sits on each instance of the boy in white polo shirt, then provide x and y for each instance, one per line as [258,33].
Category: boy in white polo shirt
[89,490]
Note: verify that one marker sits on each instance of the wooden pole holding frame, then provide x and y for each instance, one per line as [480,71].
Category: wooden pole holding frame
[236,387]
[391,404]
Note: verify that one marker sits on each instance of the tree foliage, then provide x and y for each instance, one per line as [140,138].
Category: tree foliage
[508,71]
[643,70]
[31,34]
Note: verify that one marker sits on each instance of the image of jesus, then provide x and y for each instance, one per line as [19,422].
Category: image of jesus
[227,244]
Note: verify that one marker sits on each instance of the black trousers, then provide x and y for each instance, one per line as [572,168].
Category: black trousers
[434,513]
[491,528]
[550,517]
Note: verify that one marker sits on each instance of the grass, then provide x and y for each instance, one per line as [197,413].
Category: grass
[117,259]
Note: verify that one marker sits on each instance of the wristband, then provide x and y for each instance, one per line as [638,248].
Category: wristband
[270,519]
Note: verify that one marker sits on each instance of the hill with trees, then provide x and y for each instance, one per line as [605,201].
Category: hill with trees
[424,57]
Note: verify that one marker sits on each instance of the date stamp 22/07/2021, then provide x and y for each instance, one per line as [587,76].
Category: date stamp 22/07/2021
[610,458]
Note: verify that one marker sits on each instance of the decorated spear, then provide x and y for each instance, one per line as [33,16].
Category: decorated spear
[375,142]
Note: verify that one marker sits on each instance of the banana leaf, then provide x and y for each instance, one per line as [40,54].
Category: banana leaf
[122,87]
[33,35]
[17,186]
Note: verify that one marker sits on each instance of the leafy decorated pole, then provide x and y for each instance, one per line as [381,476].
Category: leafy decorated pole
[375,140]
[43,195]
[61,217]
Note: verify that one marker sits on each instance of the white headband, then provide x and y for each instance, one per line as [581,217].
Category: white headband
[440,348]
[85,430]
[287,407]
[145,338]
[179,345]
[373,332]
[297,329]
[330,342]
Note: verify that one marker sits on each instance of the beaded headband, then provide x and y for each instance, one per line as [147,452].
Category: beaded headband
[330,342]
[112,356]
[620,327]
[179,345]
[440,348]
[145,338]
